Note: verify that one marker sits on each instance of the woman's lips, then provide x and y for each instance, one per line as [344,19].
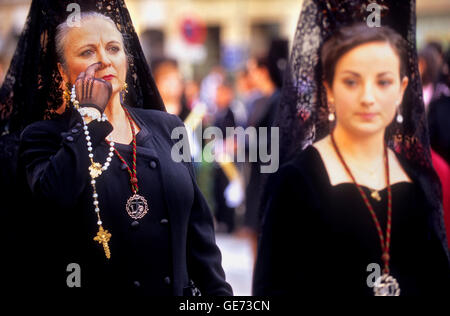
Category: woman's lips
[108,77]
[366,116]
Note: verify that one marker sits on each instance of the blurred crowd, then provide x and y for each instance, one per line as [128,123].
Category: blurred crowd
[244,98]
[249,97]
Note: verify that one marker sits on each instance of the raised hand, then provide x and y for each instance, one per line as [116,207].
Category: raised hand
[91,91]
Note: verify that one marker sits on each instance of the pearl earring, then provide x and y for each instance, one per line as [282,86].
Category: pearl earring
[399,116]
[331,116]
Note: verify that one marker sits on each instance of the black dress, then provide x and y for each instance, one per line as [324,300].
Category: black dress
[167,251]
[319,239]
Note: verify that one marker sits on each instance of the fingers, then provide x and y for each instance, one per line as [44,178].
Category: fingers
[88,80]
[90,83]
[82,85]
[92,91]
[106,83]
[80,76]
[90,71]
[102,86]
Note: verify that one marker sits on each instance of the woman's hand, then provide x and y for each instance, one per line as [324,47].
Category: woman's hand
[91,91]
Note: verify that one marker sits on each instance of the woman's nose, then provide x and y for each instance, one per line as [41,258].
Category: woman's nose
[103,58]
[368,97]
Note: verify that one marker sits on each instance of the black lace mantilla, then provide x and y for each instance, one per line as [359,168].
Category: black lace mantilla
[32,88]
[303,112]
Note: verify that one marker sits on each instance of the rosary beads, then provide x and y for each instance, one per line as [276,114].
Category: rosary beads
[95,169]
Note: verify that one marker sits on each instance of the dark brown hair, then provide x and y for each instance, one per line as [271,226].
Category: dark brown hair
[349,37]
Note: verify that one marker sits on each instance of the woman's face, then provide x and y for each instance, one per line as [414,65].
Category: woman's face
[96,40]
[169,82]
[367,88]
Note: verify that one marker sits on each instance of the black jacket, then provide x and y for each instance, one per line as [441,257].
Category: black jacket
[161,254]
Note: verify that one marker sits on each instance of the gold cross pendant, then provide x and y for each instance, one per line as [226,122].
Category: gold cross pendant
[95,170]
[103,236]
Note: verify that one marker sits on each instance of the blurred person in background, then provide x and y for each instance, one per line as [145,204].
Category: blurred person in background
[447,66]
[224,117]
[208,90]
[433,71]
[443,170]
[266,75]
[191,93]
[443,71]
[170,85]
[436,95]
[246,90]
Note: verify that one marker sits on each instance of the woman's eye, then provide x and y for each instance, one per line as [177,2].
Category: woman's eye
[384,83]
[350,83]
[87,53]
[114,49]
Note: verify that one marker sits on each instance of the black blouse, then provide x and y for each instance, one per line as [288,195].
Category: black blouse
[319,239]
[160,254]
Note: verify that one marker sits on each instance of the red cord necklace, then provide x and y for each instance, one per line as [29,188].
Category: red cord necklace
[136,205]
[386,285]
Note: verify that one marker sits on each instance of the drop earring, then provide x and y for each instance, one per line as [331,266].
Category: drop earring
[331,116]
[399,117]
[123,92]
[66,93]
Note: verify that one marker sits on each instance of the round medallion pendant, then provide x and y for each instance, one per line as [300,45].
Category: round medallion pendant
[137,206]
[386,285]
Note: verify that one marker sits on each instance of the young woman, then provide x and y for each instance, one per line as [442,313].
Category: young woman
[346,216]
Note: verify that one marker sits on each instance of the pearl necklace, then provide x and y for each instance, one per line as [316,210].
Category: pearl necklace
[95,169]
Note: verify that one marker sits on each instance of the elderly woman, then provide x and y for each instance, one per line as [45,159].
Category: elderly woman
[120,214]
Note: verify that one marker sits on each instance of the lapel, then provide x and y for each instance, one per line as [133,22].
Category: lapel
[150,146]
